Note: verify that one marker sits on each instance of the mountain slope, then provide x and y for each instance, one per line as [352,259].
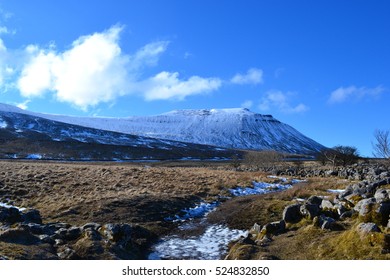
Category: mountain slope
[32,137]
[228,128]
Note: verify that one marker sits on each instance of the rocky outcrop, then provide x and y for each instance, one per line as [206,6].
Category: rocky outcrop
[366,202]
[65,241]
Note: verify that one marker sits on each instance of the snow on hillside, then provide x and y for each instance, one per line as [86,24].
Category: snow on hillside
[228,128]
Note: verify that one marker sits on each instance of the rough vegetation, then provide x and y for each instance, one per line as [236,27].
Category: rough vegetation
[116,211]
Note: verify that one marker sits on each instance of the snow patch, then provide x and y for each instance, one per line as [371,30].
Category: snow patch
[11,206]
[3,123]
[34,156]
[211,245]
[335,190]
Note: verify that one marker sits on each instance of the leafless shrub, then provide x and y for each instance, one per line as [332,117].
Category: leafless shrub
[263,160]
[382,145]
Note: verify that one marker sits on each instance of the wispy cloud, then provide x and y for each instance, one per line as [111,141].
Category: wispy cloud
[343,94]
[247,104]
[253,76]
[166,85]
[278,100]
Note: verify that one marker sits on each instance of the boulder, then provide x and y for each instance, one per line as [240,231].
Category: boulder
[314,200]
[310,210]
[292,214]
[117,232]
[274,228]
[383,211]
[366,228]
[18,235]
[9,215]
[347,214]
[365,206]
[32,216]
[94,226]
[382,195]
[326,204]
[324,222]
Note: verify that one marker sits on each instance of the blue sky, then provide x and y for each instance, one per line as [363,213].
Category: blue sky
[321,66]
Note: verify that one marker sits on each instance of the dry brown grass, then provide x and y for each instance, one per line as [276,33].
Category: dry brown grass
[104,192]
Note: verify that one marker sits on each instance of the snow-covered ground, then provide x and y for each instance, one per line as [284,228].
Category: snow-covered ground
[9,206]
[210,245]
[213,242]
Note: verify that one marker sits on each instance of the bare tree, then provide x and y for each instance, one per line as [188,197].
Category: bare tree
[263,160]
[382,145]
[339,155]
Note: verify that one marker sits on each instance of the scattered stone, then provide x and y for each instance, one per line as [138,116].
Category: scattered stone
[32,216]
[292,213]
[326,204]
[347,214]
[274,228]
[117,232]
[382,195]
[18,235]
[256,228]
[365,228]
[365,206]
[66,253]
[316,200]
[94,226]
[10,215]
[310,210]
[324,222]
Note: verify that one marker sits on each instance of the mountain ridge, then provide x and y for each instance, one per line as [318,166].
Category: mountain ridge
[232,128]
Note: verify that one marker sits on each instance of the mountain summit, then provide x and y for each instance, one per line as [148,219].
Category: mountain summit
[235,128]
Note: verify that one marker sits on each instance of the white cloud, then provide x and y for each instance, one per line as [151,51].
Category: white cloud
[277,100]
[95,70]
[166,85]
[247,104]
[23,105]
[92,71]
[253,76]
[343,94]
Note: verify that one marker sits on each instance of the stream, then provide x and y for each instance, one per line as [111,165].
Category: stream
[198,239]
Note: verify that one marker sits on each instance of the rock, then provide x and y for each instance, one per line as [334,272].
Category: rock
[274,228]
[310,210]
[35,228]
[347,214]
[94,226]
[340,208]
[388,224]
[117,232]
[66,253]
[46,239]
[316,200]
[365,206]
[383,211]
[365,228]
[382,195]
[9,215]
[19,236]
[326,204]
[32,216]
[353,198]
[256,228]
[292,213]
[324,222]
[73,233]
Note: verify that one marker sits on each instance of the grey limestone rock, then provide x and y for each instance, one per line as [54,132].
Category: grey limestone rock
[292,213]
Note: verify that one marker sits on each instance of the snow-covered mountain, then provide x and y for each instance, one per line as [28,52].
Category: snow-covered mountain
[228,128]
[25,135]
